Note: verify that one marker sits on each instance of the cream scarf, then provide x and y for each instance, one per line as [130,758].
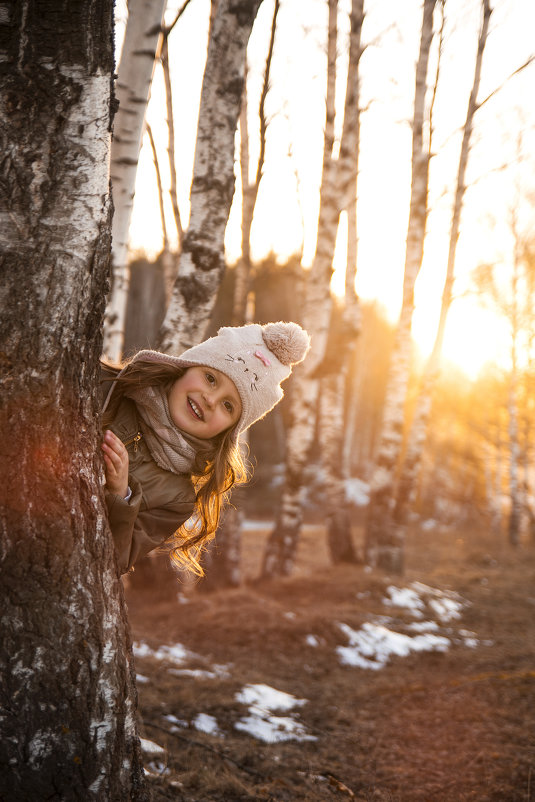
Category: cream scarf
[170,448]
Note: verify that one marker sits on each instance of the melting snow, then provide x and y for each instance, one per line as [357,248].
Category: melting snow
[373,645]
[206,723]
[176,653]
[445,604]
[312,640]
[357,492]
[261,723]
[151,749]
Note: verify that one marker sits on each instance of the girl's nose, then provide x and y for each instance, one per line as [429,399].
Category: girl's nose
[209,399]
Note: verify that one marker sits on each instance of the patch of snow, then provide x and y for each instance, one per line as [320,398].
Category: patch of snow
[446,609]
[372,646]
[194,673]
[176,722]
[272,729]
[429,525]
[151,748]
[206,723]
[261,723]
[141,679]
[175,653]
[423,626]
[445,604]
[357,492]
[405,597]
[181,599]
[311,640]
[290,616]
[268,698]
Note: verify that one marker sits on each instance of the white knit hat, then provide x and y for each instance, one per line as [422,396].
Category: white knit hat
[256,358]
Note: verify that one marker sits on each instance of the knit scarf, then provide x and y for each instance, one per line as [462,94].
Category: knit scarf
[171,449]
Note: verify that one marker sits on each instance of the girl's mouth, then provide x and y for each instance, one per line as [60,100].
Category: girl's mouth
[196,410]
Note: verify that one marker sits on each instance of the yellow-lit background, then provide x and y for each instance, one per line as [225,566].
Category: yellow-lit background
[500,173]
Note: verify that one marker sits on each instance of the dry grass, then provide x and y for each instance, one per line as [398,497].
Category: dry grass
[431,727]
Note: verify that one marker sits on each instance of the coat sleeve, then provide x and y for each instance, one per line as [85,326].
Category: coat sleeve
[136,532]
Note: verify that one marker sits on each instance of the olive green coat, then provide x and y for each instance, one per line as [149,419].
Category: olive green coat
[160,502]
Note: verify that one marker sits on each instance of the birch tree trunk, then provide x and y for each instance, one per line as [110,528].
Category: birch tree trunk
[68,690]
[201,264]
[140,49]
[281,547]
[384,546]
[332,417]
[416,439]
[223,558]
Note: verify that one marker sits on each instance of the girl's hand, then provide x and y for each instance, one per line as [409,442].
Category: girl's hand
[116,464]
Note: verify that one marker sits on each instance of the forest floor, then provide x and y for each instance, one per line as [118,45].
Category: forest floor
[442,711]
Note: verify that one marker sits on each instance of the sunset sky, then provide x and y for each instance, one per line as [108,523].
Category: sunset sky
[500,175]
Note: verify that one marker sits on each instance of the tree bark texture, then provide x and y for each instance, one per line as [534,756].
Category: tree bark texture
[140,49]
[416,439]
[201,264]
[281,547]
[384,546]
[332,409]
[67,693]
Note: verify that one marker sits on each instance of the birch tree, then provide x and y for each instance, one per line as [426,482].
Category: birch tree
[140,50]
[201,263]
[333,386]
[223,558]
[416,439]
[336,193]
[68,694]
[384,546]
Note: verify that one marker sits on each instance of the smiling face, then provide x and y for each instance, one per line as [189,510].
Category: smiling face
[204,402]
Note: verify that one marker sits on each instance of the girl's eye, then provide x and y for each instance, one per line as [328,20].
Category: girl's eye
[210,378]
[228,406]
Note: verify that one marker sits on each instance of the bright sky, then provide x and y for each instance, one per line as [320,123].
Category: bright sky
[287,206]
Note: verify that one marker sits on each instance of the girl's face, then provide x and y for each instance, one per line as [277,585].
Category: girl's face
[204,402]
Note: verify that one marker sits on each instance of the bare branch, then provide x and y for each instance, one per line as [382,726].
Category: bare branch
[171,139]
[160,187]
[530,60]
[167,30]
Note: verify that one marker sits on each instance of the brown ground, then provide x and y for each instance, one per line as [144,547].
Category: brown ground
[430,727]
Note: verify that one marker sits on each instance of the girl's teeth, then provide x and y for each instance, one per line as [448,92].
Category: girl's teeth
[195,409]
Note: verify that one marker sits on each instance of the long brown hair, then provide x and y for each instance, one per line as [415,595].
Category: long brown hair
[213,475]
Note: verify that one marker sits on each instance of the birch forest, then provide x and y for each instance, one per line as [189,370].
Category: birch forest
[366,169]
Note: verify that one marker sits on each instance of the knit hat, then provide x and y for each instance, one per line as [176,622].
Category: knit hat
[256,358]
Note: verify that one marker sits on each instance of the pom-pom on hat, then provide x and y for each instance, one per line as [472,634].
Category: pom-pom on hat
[256,358]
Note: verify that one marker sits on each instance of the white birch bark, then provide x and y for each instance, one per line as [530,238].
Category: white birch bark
[332,409]
[280,549]
[69,729]
[416,439]
[201,262]
[140,49]
[383,545]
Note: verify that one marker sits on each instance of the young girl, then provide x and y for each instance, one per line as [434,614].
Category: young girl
[171,440]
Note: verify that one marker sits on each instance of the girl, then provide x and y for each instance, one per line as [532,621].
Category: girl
[172,426]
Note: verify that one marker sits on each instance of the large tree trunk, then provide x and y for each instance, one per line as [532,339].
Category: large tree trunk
[141,44]
[282,543]
[68,692]
[416,440]
[201,264]
[384,546]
